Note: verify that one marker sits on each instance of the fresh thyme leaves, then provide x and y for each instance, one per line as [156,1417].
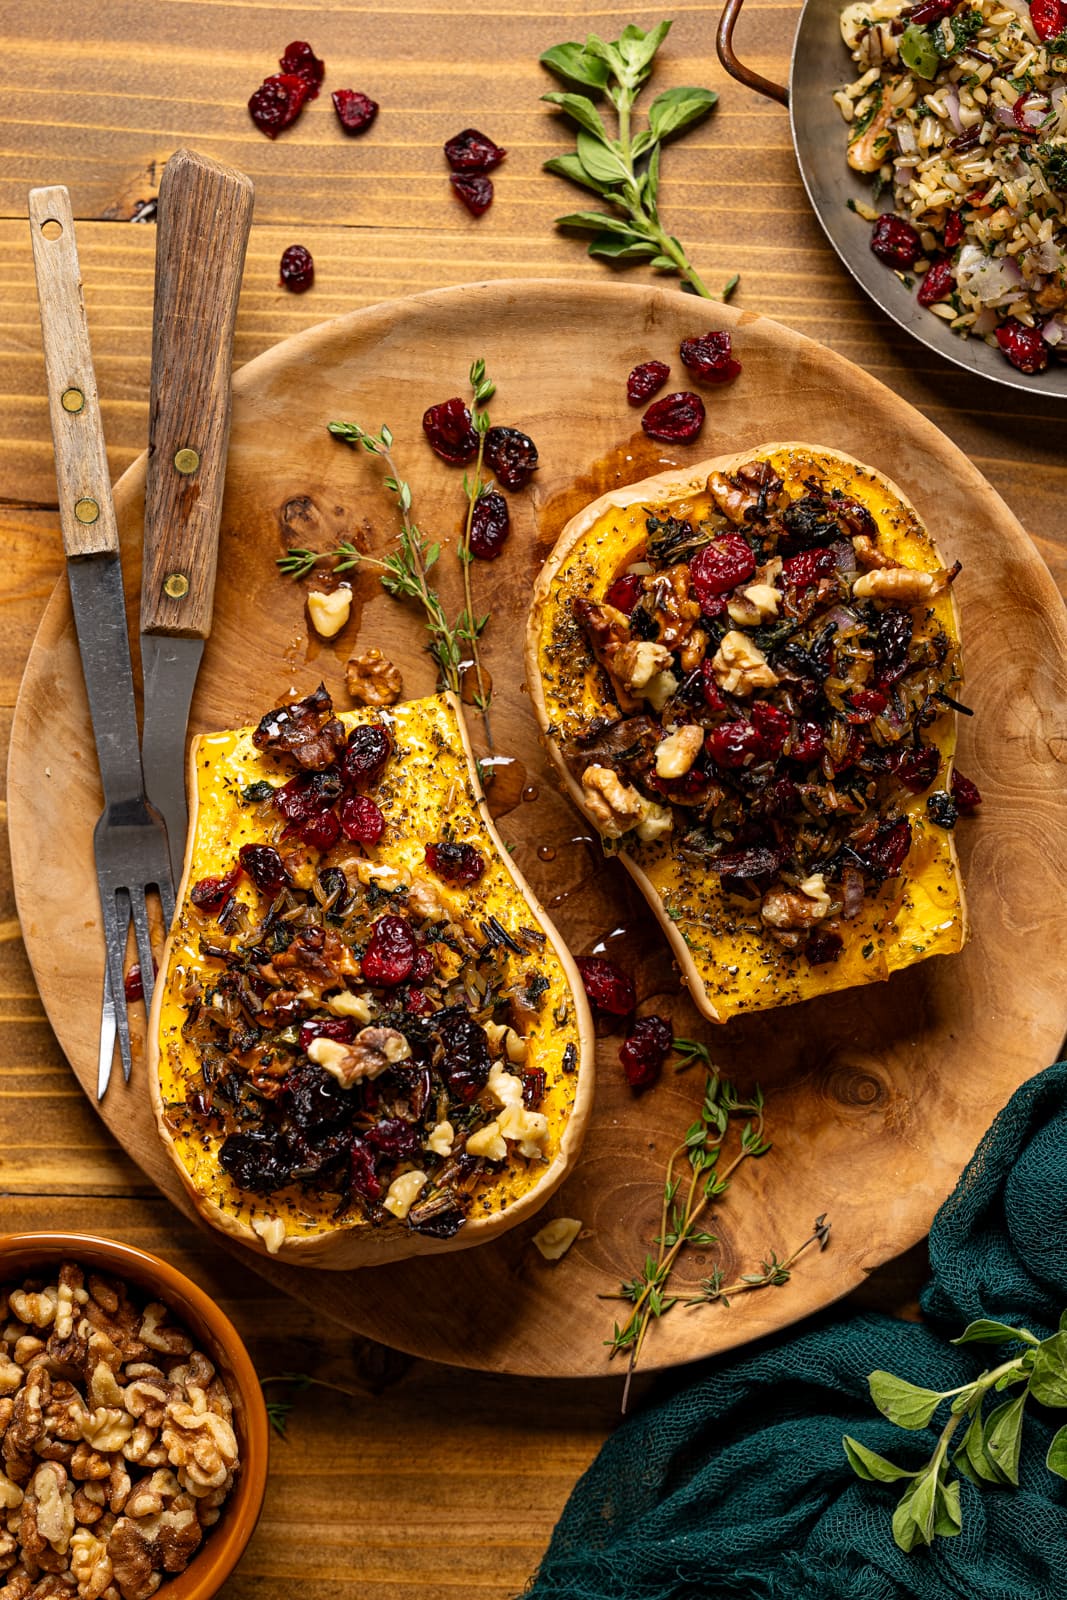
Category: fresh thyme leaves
[482,391]
[773,1274]
[624,171]
[297,563]
[690,1051]
[987,1449]
[278,1411]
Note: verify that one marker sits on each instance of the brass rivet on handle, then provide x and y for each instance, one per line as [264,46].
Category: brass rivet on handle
[52,228]
[86,510]
[176,585]
[72,399]
[186,461]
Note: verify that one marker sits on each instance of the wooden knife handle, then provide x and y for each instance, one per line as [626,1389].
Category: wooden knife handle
[86,512]
[203,218]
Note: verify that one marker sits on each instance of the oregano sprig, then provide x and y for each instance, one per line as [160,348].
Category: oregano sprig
[624,170]
[986,1450]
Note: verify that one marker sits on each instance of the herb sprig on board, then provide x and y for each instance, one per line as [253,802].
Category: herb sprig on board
[482,391]
[982,1444]
[624,170]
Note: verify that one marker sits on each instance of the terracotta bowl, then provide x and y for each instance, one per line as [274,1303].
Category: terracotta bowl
[26,1255]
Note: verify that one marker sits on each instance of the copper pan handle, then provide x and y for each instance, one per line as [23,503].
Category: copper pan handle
[724,44]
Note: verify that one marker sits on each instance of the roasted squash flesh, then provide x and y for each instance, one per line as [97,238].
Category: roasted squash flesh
[742,674]
[321,1088]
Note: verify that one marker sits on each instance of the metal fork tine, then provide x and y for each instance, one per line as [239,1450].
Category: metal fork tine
[144,941]
[116,914]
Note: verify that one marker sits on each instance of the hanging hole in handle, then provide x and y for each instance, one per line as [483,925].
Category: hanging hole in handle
[52,228]
[724,45]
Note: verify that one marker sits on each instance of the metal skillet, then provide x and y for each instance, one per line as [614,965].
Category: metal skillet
[820,65]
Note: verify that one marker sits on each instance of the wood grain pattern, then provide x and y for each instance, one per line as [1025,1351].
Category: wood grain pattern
[858,1079]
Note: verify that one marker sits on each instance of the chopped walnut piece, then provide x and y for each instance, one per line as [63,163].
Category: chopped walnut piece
[329,610]
[141,1551]
[90,1564]
[637,663]
[676,753]
[740,667]
[10,1494]
[26,1349]
[789,911]
[159,1333]
[732,499]
[615,807]
[755,604]
[10,1375]
[107,1428]
[55,1510]
[372,680]
[903,585]
[9,1551]
[38,1309]
[27,1419]
[608,632]
[868,554]
[201,1446]
[371,1053]
[153,1493]
[673,606]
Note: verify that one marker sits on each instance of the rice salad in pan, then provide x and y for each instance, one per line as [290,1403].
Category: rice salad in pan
[959,115]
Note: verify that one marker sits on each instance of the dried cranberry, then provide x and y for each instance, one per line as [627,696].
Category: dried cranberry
[265,867]
[315,1100]
[891,642]
[720,566]
[886,853]
[965,793]
[608,987]
[455,863]
[938,284]
[475,190]
[941,808]
[709,689]
[260,1161]
[341,1029]
[676,419]
[734,744]
[365,1180]
[355,111]
[1024,347]
[450,431]
[511,456]
[803,571]
[422,970]
[366,754]
[534,1084]
[471,151]
[321,832]
[917,769]
[211,894]
[1049,18]
[417,1003]
[771,724]
[490,526]
[465,1060]
[781,798]
[361,820]
[308,795]
[645,381]
[808,743]
[625,592]
[300,61]
[709,357]
[895,242]
[297,269]
[953,229]
[395,1138]
[390,953]
[928,11]
[277,103]
[133,987]
[851,753]
[822,946]
[643,1053]
[747,861]
[865,704]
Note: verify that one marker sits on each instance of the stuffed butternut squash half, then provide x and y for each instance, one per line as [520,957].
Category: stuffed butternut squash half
[746,673]
[367,1040]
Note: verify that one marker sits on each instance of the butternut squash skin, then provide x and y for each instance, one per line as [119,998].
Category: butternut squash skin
[729,961]
[431,777]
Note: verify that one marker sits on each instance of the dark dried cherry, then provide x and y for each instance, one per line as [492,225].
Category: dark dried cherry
[308,795]
[928,11]
[608,987]
[366,755]
[475,190]
[361,819]
[450,432]
[277,103]
[734,744]
[891,642]
[340,1029]
[886,853]
[1024,347]
[490,526]
[355,111]
[709,357]
[625,592]
[364,1176]
[938,284]
[823,945]
[772,726]
[471,151]
[916,769]
[300,61]
[390,953]
[759,861]
[395,1138]
[511,456]
[259,1161]
[645,381]
[534,1084]
[966,794]
[803,571]
[865,704]
[315,1100]
[265,867]
[321,832]
[455,863]
[808,743]
[720,566]
[676,419]
[211,894]
[895,242]
[644,1051]
[297,269]
[465,1060]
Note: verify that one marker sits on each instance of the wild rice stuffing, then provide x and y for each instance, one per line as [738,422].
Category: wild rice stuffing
[960,113]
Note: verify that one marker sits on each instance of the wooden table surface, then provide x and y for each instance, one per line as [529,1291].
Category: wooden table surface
[426,1480]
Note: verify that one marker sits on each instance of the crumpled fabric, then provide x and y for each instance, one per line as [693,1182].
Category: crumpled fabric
[738,1484]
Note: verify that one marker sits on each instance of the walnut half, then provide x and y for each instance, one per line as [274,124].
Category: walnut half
[373,680]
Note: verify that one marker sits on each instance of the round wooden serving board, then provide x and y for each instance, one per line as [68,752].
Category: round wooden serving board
[877,1096]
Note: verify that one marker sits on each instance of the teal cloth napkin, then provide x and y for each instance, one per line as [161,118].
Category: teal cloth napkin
[738,1485]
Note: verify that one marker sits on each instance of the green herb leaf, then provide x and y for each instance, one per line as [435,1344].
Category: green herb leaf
[676,109]
[1056,1460]
[918,51]
[871,1466]
[948,1518]
[985,1331]
[601,159]
[596,222]
[906,1404]
[1048,1379]
[1003,1436]
[972,1454]
[913,1520]
[571,61]
[581,110]
[610,247]
[570,167]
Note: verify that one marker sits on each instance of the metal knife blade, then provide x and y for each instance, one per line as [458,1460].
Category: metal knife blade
[202,223]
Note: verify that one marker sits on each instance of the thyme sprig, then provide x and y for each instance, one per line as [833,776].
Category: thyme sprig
[482,391]
[988,1451]
[773,1274]
[298,562]
[278,1411]
[624,171]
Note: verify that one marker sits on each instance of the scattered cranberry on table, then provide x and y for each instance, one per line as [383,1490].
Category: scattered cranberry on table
[300,61]
[643,1053]
[511,456]
[710,357]
[608,987]
[471,151]
[355,111]
[645,381]
[277,103]
[475,191]
[490,526]
[676,419]
[297,269]
[450,432]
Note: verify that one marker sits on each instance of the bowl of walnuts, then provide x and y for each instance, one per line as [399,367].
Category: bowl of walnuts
[133,1434]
